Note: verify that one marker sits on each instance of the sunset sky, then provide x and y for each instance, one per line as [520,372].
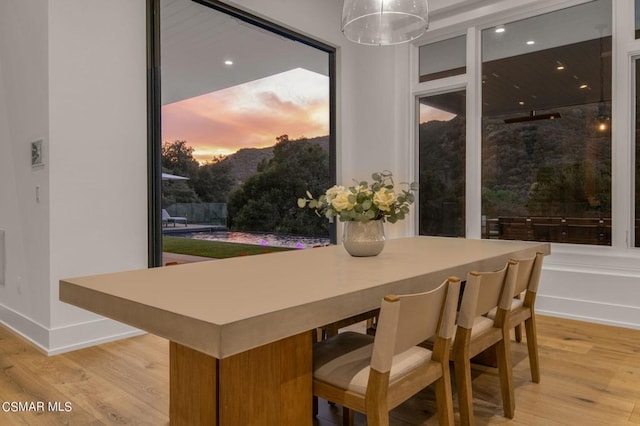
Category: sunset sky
[428,113]
[250,115]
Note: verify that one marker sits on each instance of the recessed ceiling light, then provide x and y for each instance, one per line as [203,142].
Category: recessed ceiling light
[228,62]
[584,86]
[500,29]
[560,67]
[521,103]
[530,42]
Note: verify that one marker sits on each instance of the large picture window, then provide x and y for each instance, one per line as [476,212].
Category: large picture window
[245,126]
[546,127]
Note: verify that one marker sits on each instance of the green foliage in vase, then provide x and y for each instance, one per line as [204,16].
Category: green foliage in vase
[364,201]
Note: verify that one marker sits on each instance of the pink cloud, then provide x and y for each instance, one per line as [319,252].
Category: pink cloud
[244,116]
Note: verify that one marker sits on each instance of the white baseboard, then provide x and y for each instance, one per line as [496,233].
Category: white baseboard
[67,338]
[593,288]
[29,329]
[589,311]
[90,333]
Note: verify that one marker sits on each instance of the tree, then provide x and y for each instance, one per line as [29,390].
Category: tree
[267,200]
[442,173]
[177,159]
[177,192]
[213,182]
[575,190]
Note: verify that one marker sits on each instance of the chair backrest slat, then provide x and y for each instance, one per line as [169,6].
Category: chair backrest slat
[534,280]
[528,274]
[525,267]
[484,291]
[448,319]
[408,320]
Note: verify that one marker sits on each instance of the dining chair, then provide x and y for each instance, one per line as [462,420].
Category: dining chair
[374,374]
[523,308]
[475,333]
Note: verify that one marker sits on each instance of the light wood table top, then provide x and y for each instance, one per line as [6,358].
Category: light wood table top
[224,307]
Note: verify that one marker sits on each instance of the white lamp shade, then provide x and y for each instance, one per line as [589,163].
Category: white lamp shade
[383,22]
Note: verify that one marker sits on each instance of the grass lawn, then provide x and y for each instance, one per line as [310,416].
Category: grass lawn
[214,249]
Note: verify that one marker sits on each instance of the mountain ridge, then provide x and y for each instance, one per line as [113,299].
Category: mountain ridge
[243,163]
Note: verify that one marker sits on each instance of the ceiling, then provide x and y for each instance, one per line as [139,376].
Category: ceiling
[534,79]
[196,41]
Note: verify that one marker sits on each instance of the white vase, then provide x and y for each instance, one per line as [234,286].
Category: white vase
[363,238]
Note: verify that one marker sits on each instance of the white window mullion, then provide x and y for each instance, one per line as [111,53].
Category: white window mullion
[473,185]
[414,76]
[622,126]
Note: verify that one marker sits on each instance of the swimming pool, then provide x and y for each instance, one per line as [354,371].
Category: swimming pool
[262,239]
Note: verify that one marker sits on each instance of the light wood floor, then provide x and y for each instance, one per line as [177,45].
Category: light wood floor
[590,376]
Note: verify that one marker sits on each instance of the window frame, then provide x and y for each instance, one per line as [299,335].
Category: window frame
[467,82]
[634,160]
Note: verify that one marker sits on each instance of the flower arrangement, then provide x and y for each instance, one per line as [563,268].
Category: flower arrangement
[364,201]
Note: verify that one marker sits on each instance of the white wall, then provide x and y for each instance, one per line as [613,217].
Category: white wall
[24,299]
[97,107]
[73,73]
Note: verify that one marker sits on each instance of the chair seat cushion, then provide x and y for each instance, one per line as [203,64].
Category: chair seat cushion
[480,324]
[343,361]
[516,303]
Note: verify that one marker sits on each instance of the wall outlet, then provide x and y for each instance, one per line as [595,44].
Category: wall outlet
[3,257]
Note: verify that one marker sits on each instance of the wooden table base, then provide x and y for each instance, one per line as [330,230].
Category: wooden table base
[268,385]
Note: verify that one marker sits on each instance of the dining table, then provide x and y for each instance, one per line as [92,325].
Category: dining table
[241,330]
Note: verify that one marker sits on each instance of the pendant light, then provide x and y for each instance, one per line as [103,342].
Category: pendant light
[384,22]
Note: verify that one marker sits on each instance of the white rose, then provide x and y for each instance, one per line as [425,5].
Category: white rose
[341,201]
[332,192]
[384,198]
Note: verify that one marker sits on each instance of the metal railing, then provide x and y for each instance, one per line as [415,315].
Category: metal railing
[595,231]
[201,213]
